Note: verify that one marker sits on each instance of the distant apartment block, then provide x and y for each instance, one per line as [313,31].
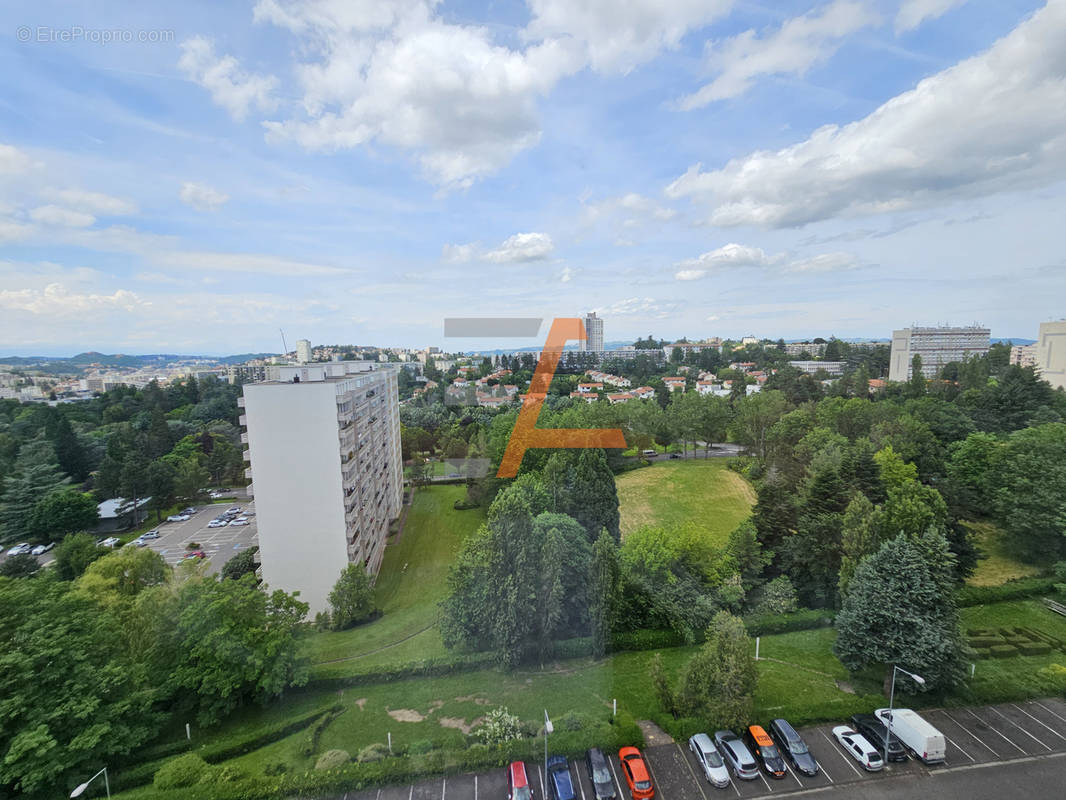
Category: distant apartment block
[692,347]
[937,347]
[594,333]
[1051,353]
[810,348]
[303,351]
[811,367]
[1024,355]
[326,469]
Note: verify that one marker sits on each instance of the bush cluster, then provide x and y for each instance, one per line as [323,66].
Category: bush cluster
[1016,589]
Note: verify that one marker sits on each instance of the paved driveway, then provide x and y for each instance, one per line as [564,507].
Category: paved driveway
[218,544]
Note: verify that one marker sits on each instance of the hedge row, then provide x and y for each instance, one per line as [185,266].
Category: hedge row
[319,725]
[1016,589]
[803,620]
[426,668]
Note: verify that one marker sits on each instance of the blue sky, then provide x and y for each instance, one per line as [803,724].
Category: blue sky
[357,170]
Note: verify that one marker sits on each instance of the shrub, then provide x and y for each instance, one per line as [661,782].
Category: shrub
[499,726]
[981,653]
[985,641]
[420,747]
[322,621]
[465,504]
[1003,651]
[573,648]
[1034,648]
[311,743]
[192,546]
[1053,679]
[645,639]
[276,768]
[180,772]
[331,759]
[1016,589]
[227,749]
[572,721]
[803,620]
[372,752]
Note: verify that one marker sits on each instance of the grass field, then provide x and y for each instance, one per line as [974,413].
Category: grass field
[998,566]
[672,492]
[411,583]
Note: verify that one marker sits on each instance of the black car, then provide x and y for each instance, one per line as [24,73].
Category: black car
[765,751]
[599,774]
[875,732]
[792,747]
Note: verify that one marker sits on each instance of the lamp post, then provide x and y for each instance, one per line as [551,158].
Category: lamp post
[78,791]
[548,728]
[891,696]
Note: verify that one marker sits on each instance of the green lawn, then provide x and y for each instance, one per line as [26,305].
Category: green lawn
[670,493]
[411,583]
[998,565]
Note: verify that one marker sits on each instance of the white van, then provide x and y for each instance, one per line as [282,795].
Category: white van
[649,453]
[917,735]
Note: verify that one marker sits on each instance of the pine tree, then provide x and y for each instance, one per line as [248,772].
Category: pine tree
[718,684]
[70,454]
[36,475]
[604,591]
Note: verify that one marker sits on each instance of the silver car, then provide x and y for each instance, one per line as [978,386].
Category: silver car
[709,759]
[736,755]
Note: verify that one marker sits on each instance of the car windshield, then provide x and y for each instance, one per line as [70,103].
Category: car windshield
[522,793]
[798,747]
[770,752]
[643,785]
[601,775]
[712,758]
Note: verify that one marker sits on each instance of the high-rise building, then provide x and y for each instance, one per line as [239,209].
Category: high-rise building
[594,332]
[303,351]
[326,469]
[937,347]
[1051,353]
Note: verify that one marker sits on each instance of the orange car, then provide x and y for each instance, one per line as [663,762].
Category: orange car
[637,775]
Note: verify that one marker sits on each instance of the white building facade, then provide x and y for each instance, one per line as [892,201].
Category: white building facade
[327,472]
[303,351]
[1051,353]
[593,332]
[937,347]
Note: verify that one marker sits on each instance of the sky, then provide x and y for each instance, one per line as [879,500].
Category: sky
[196,177]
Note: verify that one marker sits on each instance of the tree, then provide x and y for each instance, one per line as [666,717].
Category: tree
[755,416]
[582,486]
[75,553]
[973,471]
[160,487]
[36,475]
[660,684]
[747,555]
[718,683]
[860,537]
[62,512]
[70,454]
[190,479]
[1030,504]
[604,591]
[916,386]
[123,574]
[21,566]
[898,610]
[71,698]
[352,599]
[777,597]
[243,563]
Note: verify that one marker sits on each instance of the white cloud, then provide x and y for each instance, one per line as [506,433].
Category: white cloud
[617,36]
[522,247]
[730,255]
[458,253]
[638,306]
[11,231]
[825,262]
[202,197]
[91,202]
[55,300]
[794,48]
[634,210]
[245,262]
[63,217]
[913,13]
[566,275]
[231,87]
[12,160]
[994,122]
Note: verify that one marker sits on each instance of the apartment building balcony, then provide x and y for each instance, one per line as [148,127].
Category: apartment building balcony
[244,438]
[248,473]
[247,455]
[240,402]
[242,420]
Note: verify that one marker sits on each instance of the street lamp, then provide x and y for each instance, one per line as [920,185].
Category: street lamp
[78,791]
[918,679]
[548,728]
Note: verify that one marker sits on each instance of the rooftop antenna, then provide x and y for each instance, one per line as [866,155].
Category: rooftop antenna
[285,347]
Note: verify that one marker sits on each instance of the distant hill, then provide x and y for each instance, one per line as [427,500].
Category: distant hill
[63,365]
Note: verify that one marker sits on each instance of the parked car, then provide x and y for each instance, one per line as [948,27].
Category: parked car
[675,455]
[649,453]
[234,510]
[41,549]
[110,541]
[765,751]
[636,771]
[599,774]
[709,759]
[150,535]
[238,522]
[178,518]
[19,549]
[792,747]
[736,755]
[917,735]
[858,748]
[190,511]
[518,786]
[217,523]
[562,788]
[139,542]
[195,554]
[875,732]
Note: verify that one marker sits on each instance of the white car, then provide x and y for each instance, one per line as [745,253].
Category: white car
[859,748]
[234,510]
[149,535]
[20,549]
[239,522]
[178,518]
[110,541]
[709,759]
[217,523]
[41,549]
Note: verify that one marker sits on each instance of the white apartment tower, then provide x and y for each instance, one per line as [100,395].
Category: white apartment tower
[1051,353]
[327,475]
[937,347]
[303,351]
[594,332]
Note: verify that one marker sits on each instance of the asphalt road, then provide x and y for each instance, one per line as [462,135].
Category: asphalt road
[993,752]
[218,544]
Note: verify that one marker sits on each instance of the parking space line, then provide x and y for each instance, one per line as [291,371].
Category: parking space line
[1019,727]
[956,746]
[615,776]
[997,732]
[651,774]
[970,733]
[411,792]
[543,788]
[763,778]
[1039,722]
[1048,710]
[692,772]
[821,766]
[580,783]
[836,749]
[792,772]
[443,787]
[475,787]
[731,783]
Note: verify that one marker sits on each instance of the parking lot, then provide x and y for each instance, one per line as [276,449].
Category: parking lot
[218,544]
[977,738]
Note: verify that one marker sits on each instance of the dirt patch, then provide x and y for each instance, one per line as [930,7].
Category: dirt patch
[434,706]
[406,715]
[459,723]
[361,702]
[844,686]
[473,698]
